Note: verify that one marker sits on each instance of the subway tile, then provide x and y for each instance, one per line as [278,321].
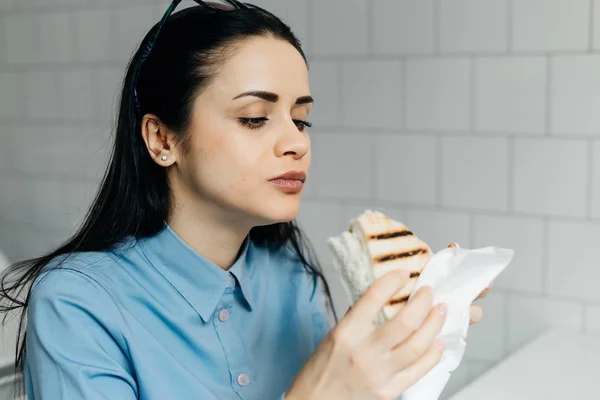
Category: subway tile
[403,26]
[525,237]
[348,35]
[574,98]
[372,94]
[545,184]
[510,95]
[530,317]
[397,158]
[438,94]
[573,260]
[474,172]
[343,163]
[547,25]
[473,25]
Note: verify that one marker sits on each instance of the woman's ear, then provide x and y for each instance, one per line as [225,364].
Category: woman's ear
[159,141]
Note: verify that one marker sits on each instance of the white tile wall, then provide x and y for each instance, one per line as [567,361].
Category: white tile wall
[42,94]
[326,91]
[93,32]
[344,165]
[526,237]
[575,101]
[486,340]
[130,26]
[595,191]
[473,25]
[405,153]
[403,26]
[21,33]
[11,95]
[348,35]
[510,95]
[473,121]
[438,94]
[56,37]
[531,316]
[372,94]
[592,319]
[547,184]
[475,172]
[571,276]
[439,228]
[545,25]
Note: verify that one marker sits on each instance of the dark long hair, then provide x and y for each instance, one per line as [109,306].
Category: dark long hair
[133,199]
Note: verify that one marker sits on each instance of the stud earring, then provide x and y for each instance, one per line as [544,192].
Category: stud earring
[164,158]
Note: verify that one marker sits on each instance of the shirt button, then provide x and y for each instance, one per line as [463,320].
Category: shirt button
[229,282]
[243,379]
[224,315]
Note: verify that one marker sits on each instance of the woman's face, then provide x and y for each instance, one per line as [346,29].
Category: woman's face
[247,129]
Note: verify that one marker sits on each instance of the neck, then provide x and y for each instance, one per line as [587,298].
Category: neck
[210,234]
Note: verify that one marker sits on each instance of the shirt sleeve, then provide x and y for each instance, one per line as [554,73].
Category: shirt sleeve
[74,347]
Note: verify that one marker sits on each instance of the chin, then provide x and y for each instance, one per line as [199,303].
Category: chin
[280,210]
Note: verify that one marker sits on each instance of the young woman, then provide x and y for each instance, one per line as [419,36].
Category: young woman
[188,278]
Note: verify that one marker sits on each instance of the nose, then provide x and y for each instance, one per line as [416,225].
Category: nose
[292,142]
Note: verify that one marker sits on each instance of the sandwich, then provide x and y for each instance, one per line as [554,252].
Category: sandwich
[373,246]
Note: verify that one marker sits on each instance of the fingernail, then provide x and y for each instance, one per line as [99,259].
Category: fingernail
[443,309]
[489,286]
[405,273]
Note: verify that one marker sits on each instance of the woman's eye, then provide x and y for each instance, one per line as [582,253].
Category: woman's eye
[253,123]
[302,124]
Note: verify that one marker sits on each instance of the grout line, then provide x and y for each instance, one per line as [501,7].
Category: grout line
[509,26]
[456,209]
[373,141]
[591,26]
[439,173]
[340,84]
[471,236]
[507,330]
[114,62]
[473,92]
[590,181]
[511,175]
[370,28]
[458,133]
[545,254]
[310,36]
[404,94]
[548,98]
[437,31]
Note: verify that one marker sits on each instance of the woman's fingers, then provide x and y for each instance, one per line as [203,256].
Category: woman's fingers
[476,314]
[406,322]
[362,314]
[420,341]
[404,379]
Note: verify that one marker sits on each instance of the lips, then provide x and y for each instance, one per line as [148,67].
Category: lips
[292,175]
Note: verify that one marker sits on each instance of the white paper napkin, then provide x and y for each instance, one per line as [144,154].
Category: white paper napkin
[457,276]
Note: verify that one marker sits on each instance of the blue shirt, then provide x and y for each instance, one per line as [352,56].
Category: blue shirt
[154,320]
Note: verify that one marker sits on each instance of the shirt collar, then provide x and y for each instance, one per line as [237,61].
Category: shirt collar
[200,281]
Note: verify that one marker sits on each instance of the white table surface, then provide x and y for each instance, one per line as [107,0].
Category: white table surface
[560,364]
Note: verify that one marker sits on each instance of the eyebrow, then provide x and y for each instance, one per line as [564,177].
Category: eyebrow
[272,97]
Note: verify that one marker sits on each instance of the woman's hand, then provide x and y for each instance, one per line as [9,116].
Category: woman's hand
[357,361]
[476,312]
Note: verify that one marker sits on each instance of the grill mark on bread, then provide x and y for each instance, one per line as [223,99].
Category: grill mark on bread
[390,235]
[395,256]
[398,300]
